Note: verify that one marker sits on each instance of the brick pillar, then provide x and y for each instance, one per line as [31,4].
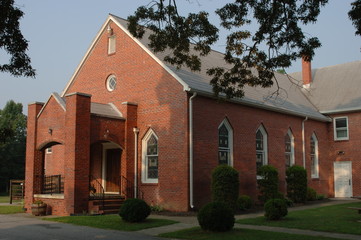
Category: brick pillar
[77,153]
[34,157]
[130,113]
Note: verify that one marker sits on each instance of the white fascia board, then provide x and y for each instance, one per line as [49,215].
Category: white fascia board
[344,110]
[110,17]
[57,98]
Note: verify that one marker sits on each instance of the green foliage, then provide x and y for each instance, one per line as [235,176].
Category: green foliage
[216,217]
[225,185]
[13,42]
[275,209]
[268,183]
[311,194]
[134,210]
[248,63]
[296,178]
[355,15]
[12,143]
[244,202]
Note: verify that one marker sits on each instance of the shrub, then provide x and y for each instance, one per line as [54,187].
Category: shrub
[311,194]
[297,184]
[275,209]
[267,182]
[225,185]
[134,210]
[320,197]
[244,202]
[216,217]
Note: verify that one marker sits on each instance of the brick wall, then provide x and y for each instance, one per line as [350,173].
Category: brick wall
[161,105]
[245,121]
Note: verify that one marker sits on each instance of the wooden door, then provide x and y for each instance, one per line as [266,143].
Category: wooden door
[112,166]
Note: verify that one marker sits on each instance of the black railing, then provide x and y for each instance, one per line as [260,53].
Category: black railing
[127,189]
[96,190]
[51,184]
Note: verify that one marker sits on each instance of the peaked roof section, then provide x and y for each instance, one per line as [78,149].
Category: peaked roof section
[336,89]
[291,101]
[98,109]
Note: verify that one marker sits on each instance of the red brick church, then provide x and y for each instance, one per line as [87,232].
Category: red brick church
[129,125]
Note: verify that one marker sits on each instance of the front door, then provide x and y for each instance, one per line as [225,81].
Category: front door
[112,170]
[343,179]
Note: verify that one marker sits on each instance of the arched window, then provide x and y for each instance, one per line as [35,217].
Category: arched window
[261,147]
[150,158]
[225,143]
[314,156]
[289,149]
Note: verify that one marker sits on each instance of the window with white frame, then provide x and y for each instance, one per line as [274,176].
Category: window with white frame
[150,158]
[340,125]
[261,147]
[289,149]
[225,135]
[314,156]
[111,44]
[49,150]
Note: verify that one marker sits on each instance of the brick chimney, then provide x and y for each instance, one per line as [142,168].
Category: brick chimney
[306,73]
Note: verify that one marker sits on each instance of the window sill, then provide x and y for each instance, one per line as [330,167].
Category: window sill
[50,196]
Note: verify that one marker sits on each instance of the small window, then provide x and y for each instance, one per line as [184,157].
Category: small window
[111,44]
[49,150]
[289,149]
[111,83]
[150,158]
[340,125]
[261,147]
[314,156]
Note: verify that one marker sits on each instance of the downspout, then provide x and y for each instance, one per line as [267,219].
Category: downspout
[191,150]
[136,131]
[303,143]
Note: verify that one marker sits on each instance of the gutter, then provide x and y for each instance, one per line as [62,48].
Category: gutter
[191,204]
[303,143]
[136,131]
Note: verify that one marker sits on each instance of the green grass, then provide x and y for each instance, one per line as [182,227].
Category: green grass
[11,209]
[113,222]
[6,199]
[236,234]
[335,218]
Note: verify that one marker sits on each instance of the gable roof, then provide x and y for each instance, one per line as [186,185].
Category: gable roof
[99,109]
[336,89]
[291,101]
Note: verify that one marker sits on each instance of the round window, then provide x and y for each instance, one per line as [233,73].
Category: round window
[111,83]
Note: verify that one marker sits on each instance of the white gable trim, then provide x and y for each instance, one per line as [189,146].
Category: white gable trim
[112,18]
[57,98]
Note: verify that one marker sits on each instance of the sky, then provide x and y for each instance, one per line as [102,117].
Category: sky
[60,32]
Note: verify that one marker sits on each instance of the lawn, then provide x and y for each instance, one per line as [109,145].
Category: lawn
[337,218]
[6,199]
[113,222]
[236,234]
[11,209]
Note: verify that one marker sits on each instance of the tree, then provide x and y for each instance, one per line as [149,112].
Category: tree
[190,38]
[355,15]
[13,42]
[12,143]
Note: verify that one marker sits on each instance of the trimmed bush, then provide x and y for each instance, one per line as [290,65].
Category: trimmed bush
[134,210]
[268,183]
[296,177]
[275,209]
[216,217]
[225,185]
[244,202]
[311,194]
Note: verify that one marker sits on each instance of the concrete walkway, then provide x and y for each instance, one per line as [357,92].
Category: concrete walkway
[191,221]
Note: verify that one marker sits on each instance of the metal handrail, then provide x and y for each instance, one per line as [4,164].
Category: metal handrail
[127,189]
[96,190]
